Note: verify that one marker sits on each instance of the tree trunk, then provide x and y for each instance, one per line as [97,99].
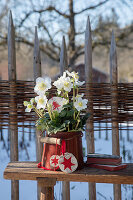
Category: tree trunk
[71,33]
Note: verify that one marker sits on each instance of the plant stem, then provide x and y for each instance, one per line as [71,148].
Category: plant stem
[73,99]
[77,90]
[49,112]
[78,115]
[77,124]
[37,112]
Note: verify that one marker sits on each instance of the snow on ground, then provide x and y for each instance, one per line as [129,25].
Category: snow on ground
[79,191]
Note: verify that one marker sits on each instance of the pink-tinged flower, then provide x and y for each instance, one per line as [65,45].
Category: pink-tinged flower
[56,103]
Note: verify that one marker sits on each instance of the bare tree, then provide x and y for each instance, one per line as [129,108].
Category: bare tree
[57,18]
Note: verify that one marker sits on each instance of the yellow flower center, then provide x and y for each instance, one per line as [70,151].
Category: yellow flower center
[41,101]
[25,103]
[29,106]
[76,76]
[66,84]
[80,104]
[42,86]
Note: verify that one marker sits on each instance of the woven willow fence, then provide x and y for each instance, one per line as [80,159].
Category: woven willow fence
[101,93]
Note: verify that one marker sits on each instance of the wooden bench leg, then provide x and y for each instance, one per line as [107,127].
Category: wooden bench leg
[47,188]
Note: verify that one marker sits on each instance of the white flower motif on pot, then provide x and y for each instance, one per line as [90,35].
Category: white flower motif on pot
[68,163]
[54,161]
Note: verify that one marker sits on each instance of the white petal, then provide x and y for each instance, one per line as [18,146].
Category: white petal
[39,79]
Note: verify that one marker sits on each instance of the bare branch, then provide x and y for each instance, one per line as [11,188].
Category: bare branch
[91,7]
[50,37]
[27,15]
[50,9]
[45,49]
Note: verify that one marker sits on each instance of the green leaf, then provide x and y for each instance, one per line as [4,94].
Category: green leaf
[63,113]
[47,115]
[69,105]
[70,113]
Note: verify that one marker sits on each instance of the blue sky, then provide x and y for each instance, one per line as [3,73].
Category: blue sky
[124,11]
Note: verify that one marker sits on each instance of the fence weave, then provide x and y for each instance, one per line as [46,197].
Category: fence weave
[101,103]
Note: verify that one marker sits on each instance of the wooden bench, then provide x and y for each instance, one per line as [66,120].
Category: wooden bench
[47,179]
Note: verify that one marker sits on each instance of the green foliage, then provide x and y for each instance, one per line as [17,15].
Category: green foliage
[63,121]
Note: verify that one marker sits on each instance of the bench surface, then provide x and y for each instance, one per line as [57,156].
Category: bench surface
[30,171]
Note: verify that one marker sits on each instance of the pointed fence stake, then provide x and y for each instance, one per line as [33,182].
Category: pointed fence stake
[63,57]
[114,108]
[13,105]
[37,57]
[63,67]
[88,78]
[37,73]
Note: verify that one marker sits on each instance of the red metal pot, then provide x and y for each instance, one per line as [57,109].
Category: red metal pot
[73,142]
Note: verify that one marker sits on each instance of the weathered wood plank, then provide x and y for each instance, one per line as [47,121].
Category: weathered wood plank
[47,193]
[63,57]
[12,104]
[114,108]
[63,67]
[37,57]
[50,140]
[88,78]
[37,73]
[65,190]
[30,171]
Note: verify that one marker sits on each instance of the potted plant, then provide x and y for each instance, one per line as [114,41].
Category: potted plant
[61,116]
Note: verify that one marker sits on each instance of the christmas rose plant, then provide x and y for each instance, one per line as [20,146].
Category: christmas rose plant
[63,112]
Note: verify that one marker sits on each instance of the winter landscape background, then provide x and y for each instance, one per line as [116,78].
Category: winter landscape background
[79,191]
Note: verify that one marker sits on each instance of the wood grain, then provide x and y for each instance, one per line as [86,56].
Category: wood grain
[50,140]
[30,171]
[12,103]
[88,78]
[63,57]
[114,108]
[37,73]
[63,67]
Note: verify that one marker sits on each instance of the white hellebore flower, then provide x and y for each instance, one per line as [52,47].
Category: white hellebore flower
[79,96]
[41,101]
[73,74]
[79,83]
[57,103]
[63,83]
[59,83]
[80,104]
[26,103]
[42,85]
[32,101]
[67,85]
[29,108]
